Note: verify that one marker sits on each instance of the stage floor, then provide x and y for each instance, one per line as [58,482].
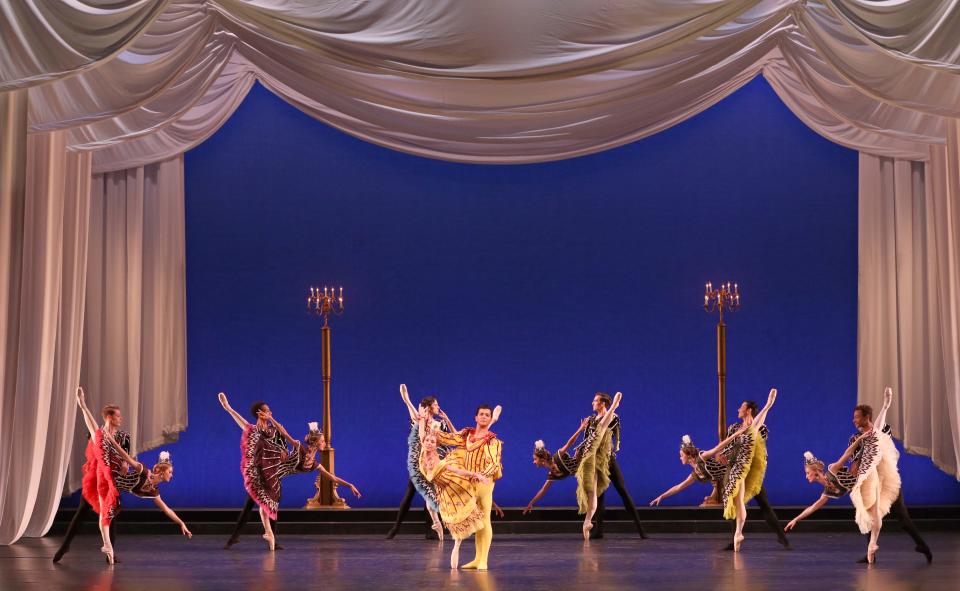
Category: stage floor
[529,562]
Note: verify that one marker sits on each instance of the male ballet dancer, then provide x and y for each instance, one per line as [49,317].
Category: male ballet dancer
[482,454]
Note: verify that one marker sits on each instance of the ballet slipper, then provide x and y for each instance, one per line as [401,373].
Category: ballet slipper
[108,554]
[872,553]
[737,542]
[587,526]
[439,529]
[271,541]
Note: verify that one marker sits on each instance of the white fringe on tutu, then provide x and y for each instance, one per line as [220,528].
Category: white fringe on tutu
[883,471]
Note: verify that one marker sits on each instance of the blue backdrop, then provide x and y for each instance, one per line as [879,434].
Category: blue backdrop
[529,286]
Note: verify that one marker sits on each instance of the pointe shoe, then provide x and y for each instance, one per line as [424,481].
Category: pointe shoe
[737,542]
[587,526]
[872,554]
[271,541]
[439,529]
[108,554]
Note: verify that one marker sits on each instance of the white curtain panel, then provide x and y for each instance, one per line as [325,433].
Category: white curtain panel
[909,286]
[134,337]
[43,229]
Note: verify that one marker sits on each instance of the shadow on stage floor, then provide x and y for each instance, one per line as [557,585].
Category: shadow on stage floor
[529,562]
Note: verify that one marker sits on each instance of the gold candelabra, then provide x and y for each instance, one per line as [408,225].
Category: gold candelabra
[725,298]
[323,302]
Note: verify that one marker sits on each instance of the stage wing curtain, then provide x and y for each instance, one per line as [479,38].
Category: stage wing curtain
[134,337]
[41,40]
[43,239]
[909,290]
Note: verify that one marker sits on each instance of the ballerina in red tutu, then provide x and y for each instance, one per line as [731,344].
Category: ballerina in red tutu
[106,475]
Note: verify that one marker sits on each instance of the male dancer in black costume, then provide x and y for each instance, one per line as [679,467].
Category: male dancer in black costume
[863,421]
[112,419]
[601,402]
[749,409]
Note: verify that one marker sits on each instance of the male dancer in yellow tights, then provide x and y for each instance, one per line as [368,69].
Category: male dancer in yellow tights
[482,453]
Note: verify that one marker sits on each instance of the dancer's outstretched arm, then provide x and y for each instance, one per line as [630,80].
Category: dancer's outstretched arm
[411,409]
[762,415]
[88,419]
[173,516]
[543,490]
[673,490]
[583,425]
[241,422]
[284,433]
[712,452]
[835,467]
[137,466]
[807,512]
[338,480]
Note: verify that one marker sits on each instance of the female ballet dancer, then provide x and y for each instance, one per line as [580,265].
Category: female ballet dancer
[740,475]
[417,480]
[102,486]
[873,482]
[265,460]
[456,487]
[590,464]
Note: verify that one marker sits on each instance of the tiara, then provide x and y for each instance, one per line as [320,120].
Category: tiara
[538,444]
[164,458]
[685,441]
[810,459]
[312,427]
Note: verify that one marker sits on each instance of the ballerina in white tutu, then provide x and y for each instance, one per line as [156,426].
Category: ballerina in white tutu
[872,480]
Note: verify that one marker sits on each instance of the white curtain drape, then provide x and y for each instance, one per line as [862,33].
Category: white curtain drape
[134,338]
[43,270]
[909,289]
[128,84]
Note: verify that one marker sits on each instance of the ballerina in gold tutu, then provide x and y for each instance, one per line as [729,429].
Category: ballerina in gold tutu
[456,489]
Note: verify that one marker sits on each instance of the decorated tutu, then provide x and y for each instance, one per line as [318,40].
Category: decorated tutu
[878,479]
[99,488]
[456,498]
[264,461]
[594,458]
[426,488]
[747,464]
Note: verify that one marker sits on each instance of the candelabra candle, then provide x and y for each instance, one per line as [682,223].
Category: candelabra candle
[324,302]
[724,299]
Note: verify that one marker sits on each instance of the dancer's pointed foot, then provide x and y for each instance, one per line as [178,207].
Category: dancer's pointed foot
[271,541]
[587,526]
[872,553]
[59,555]
[785,543]
[438,529]
[737,542]
[108,554]
[230,543]
[921,549]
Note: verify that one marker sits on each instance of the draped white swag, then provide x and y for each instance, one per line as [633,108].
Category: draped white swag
[100,98]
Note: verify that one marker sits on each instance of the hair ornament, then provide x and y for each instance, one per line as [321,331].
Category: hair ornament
[164,458]
[312,427]
[538,444]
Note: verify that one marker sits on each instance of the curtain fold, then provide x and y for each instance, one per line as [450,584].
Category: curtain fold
[44,267]
[41,40]
[134,337]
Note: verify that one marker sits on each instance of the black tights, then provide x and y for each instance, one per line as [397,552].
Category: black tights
[405,507]
[82,510]
[616,479]
[768,515]
[899,509]
[242,521]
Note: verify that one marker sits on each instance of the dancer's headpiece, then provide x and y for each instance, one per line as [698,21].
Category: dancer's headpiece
[312,428]
[164,458]
[811,460]
[686,443]
[538,444]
